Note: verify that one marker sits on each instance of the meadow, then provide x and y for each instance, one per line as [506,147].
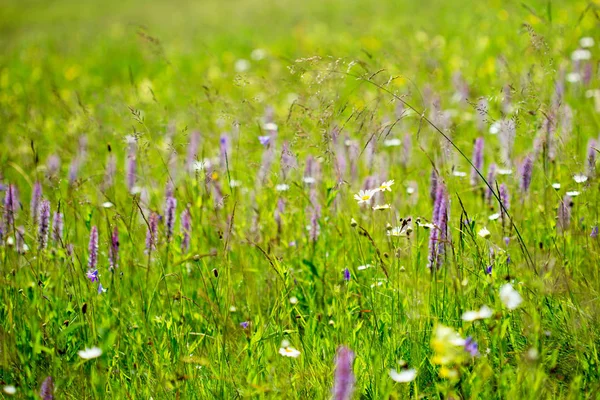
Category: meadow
[299,199]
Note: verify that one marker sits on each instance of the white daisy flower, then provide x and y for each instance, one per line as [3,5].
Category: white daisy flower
[579,178]
[258,54]
[309,180]
[404,376]
[233,183]
[88,354]
[573,193]
[363,267]
[293,300]
[460,174]
[410,190]
[586,42]
[364,196]
[289,352]
[107,204]
[242,65]
[502,171]
[494,217]
[484,233]
[556,186]
[495,128]
[382,207]
[270,126]
[282,187]
[581,55]
[510,297]
[9,389]
[386,186]
[483,313]
[393,142]
[573,77]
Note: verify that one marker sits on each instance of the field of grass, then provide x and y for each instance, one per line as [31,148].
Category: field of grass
[299,199]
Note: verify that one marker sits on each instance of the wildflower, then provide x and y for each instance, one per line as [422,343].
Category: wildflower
[507,135]
[186,228]
[344,380]
[594,233]
[309,180]
[438,235]
[477,160]
[43,224]
[287,160]
[564,213]
[579,178]
[10,206]
[386,186]
[494,216]
[293,300]
[282,187]
[92,275]
[504,200]
[364,196]
[113,250]
[47,389]
[353,223]
[495,128]
[245,324]
[346,274]
[488,270]
[363,267]
[36,196]
[393,142]
[433,182]
[57,227]
[483,313]
[404,376]
[380,207]
[526,171]
[504,171]
[170,206]
[111,170]
[101,288]
[449,350]
[315,215]
[510,297]
[556,186]
[471,347]
[152,233]
[586,42]
[573,193]
[53,164]
[93,248]
[192,152]
[90,353]
[581,55]
[130,167]
[9,389]
[289,352]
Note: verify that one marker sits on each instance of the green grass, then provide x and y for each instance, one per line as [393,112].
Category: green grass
[168,324]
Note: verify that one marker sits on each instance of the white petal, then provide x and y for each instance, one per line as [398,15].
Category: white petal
[405,375]
[88,354]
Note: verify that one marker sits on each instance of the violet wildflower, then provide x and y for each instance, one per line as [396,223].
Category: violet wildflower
[591,158]
[477,160]
[344,380]
[93,249]
[57,227]
[20,244]
[347,274]
[152,233]
[111,169]
[505,200]
[245,324]
[488,270]
[315,214]
[594,233]
[506,136]
[113,250]
[287,161]
[131,166]
[186,228]
[264,140]
[279,211]
[10,206]
[53,164]
[438,234]
[92,275]
[526,172]
[101,288]
[564,214]
[433,184]
[36,196]
[74,170]
[265,164]
[491,179]
[47,389]
[170,216]
[225,149]
[43,224]
[192,151]
[471,347]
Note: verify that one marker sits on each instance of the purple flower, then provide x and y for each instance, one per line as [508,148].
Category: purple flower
[594,233]
[591,158]
[93,249]
[192,151]
[152,232]
[245,324]
[471,347]
[526,172]
[74,170]
[111,169]
[491,179]
[186,228]
[279,211]
[113,250]
[131,166]
[506,136]
[264,140]
[47,389]
[225,149]
[265,165]
[10,206]
[346,274]
[343,385]
[488,270]
[43,224]
[57,227]
[439,231]
[20,240]
[92,275]
[505,200]
[564,214]
[477,160]
[170,207]
[101,288]
[36,196]
[53,164]
[287,161]
[433,184]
